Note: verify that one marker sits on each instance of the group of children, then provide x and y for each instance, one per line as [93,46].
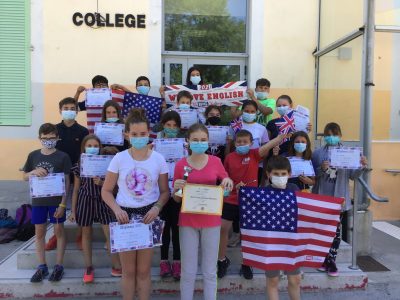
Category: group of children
[137,182]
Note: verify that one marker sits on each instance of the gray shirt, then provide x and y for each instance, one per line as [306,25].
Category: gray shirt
[337,187]
[57,162]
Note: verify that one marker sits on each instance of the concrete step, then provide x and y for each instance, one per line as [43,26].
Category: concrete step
[17,285]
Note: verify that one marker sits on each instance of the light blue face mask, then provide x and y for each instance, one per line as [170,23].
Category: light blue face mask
[170,132]
[195,79]
[248,117]
[262,95]
[282,110]
[244,149]
[112,120]
[68,114]
[139,142]
[92,150]
[143,89]
[300,147]
[332,140]
[198,147]
[184,106]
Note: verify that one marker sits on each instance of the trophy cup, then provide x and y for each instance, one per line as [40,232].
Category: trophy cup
[187,170]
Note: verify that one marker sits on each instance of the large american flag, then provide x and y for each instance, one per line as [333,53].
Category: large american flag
[285,230]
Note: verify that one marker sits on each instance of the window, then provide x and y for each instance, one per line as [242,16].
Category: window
[15,63]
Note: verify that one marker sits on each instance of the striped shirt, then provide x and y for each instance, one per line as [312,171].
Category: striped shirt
[87,187]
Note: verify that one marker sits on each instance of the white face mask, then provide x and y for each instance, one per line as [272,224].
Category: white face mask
[279,181]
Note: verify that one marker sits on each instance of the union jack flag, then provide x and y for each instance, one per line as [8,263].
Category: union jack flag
[286,124]
[236,124]
[286,230]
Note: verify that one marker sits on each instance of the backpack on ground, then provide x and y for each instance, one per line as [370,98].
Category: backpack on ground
[8,227]
[26,229]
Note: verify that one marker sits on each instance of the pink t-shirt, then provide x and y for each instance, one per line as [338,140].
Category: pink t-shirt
[210,174]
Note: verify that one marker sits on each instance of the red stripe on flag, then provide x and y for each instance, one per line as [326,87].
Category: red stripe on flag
[317,220]
[289,254]
[323,198]
[285,267]
[318,209]
[284,241]
[316,231]
[229,84]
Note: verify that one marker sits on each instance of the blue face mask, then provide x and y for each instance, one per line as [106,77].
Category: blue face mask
[170,132]
[248,117]
[92,150]
[282,110]
[261,95]
[143,89]
[332,140]
[300,147]
[195,79]
[68,114]
[242,150]
[112,120]
[198,147]
[184,106]
[139,142]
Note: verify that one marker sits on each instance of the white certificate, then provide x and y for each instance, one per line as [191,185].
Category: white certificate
[188,117]
[97,97]
[217,134]
[345,157]
[49,186]
[300,166]
[301,120]
[131,236]
[202,199]
[171,149]
[94,165]
[110,133]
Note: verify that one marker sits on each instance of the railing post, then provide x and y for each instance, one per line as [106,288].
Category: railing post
[354,235]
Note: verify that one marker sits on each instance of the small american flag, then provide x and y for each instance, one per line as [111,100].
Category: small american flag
[236,124]
[285,230]
[157,228]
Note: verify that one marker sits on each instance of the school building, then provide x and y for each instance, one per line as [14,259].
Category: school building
[312,50]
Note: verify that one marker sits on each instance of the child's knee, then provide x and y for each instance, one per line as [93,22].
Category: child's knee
[294,280]
[59,230]
[273,282]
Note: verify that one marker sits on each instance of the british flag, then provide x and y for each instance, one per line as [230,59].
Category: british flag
[236,124]
[286,124]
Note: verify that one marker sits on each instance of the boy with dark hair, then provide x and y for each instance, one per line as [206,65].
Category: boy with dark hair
[278,172]
[266,106]
[41,163]
[142,86]
[98,82]
[242,168]
[71,135]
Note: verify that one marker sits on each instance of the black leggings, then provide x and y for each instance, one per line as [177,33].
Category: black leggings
[170,214]
[341,228]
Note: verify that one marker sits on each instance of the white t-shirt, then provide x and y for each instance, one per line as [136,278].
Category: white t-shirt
[137,180]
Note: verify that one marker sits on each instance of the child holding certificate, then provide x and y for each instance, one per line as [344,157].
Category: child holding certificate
[300,147]
[41,163]
[199,168]
[171,123]
[334,182]
[98,82]
[88,207]
[213,115]
[142,178]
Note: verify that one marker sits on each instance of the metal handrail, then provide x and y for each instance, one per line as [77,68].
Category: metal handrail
[370,193]
[393,171]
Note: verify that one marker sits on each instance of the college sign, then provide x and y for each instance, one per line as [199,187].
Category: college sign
[109,20]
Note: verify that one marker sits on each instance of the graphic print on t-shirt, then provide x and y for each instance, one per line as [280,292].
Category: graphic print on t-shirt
[138,182]
[46,165]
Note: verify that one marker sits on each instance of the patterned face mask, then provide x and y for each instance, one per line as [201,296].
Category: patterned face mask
[49,144]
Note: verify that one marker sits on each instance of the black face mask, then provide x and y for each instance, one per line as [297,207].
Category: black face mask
[213,120]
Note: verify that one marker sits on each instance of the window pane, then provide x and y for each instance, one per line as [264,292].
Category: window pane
[175,74]
[206,26]
[387,12]
[339,89]
[213,74]
[338,18]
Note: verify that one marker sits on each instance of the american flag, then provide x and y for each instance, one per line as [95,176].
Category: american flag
[157,227]
[236,124]
[285,230]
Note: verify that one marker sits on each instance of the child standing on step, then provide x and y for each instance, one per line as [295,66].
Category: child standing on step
[88,207]
[41,163]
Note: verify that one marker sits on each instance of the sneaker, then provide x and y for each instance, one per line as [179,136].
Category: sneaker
[332,270]
[222,267]
[116,272]
[79,242]
[234,241]
[40,274]
[165,269]
[176,270]
[246,271]
[57,274]
[51,244]
[88,277]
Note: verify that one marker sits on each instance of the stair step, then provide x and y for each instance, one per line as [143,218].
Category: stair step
[15,283]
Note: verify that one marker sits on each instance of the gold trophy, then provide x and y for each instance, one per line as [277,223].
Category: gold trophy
[187,170]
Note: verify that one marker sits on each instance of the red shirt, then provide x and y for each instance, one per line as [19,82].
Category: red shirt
[210,174]
[242,168]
